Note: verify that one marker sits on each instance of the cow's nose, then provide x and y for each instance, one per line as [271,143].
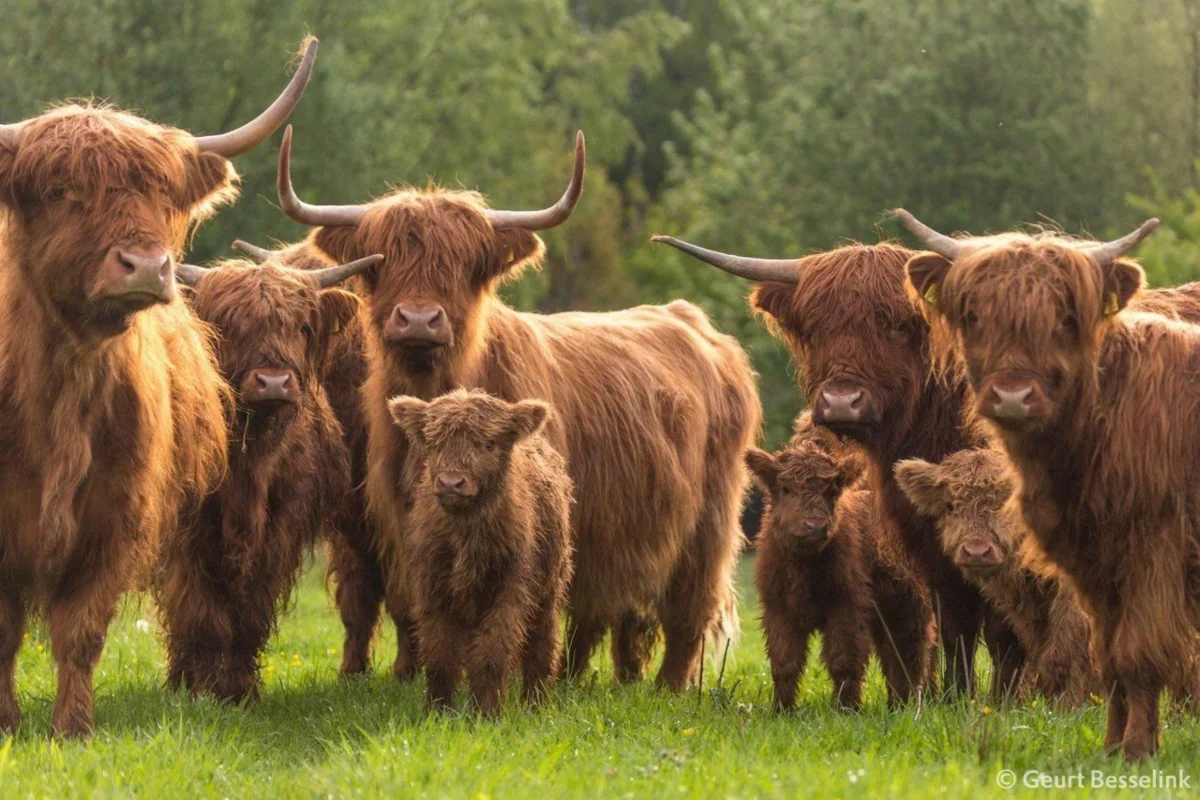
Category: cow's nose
[842,406]
[145,270]
[1011,403]
[978,550]
[269,385]
[274,384]
[418,325]
[450,483]
[816,528]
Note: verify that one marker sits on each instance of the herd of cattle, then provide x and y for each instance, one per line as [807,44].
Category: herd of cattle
[1001,444]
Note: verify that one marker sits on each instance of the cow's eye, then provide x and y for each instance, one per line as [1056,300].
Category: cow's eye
[306,329]
[57,192]
[490,444]
[1068,325]
[785,490]
[970,319]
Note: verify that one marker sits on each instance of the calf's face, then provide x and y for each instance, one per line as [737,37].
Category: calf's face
[803,484]
[274,325]
[467,439]
[968,495]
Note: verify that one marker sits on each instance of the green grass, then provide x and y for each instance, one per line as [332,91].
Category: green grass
[314,735]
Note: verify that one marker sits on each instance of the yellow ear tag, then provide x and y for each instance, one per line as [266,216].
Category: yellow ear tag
[337,326]
[931,294]
[1111,304]
[511,256]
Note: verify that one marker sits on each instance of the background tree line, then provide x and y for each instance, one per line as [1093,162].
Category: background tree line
[768,127]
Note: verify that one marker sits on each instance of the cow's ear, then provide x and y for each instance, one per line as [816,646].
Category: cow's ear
[919,481]
[851,467]
[1122,280]
[926,271]
[211,181]
[338,308]
[528,417]
[513,250]
[409,413]
[339,242]
[773,298]
[764,467]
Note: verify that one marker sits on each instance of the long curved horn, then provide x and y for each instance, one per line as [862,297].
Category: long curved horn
[779,270]
[10,135]
[301,211]
[556,214]
[189,274]
[939,243]
[254,251]
[259,129]
[332,276]
[1110,251]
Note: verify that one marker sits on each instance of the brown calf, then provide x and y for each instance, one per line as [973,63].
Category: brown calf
[968,493]
[863,351]
[1098,411]
[223,580]
[822,567]
[111,423]
[653,406]
[489,544]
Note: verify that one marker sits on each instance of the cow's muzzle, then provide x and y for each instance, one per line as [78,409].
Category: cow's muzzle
[418,326]
[270,387]
[845,404]
[1012,401]
[137,276]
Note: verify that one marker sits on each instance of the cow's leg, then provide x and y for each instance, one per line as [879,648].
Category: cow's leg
[583,634]
[845,650]
[698,591]
[407,664]
[1141,725]
[78,617]
[542,658]
[901,628]
[12,630]
[198,622]
[442,645]
[633,640]
[358,590]
[251,629]
[958,629]
[1008,657]
[787,652]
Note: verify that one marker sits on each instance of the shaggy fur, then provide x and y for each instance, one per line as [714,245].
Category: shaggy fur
[223,582]
[1106,458]
[846,586]
[653,410]
[489,566]
[850,323]
[111,420]
[968,494]
[356,564]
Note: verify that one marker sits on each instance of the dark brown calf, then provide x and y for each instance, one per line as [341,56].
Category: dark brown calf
[490,544]
[223,581]
[821,566]
[111,423]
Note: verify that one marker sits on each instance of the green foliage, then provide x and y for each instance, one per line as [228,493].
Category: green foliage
[768,127]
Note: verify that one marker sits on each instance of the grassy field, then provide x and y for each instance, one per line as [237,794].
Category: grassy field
[317,736]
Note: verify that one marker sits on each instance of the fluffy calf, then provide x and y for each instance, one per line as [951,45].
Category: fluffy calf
[653,408]
[111,423]
[490,544]
[822,567]
[968,493]
[1098,410]
[223,580]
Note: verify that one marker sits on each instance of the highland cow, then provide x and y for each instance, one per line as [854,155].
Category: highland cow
[863,350]
[1097,410]
[111,419]
[356,564]
[968,494]
[822,567]
[223,580]
[653,407]
[489,544]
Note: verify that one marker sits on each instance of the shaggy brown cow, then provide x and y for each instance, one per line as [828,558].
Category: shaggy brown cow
[821,566]
[111,420]
[863,349]
[1097,410]
[356,564]
[654,406]
[223,580]
[968,494]
[489,544]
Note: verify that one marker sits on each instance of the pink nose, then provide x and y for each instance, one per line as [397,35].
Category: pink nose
[1011,403]
[453,484]
[141,271]
[842,407]
[418,325]
[269,385]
